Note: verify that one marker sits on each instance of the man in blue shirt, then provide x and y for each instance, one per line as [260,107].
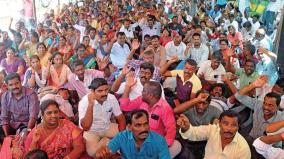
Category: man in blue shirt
[138,141]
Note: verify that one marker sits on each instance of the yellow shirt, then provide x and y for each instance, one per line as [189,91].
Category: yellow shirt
[44,60]
[196,83]
[237,149]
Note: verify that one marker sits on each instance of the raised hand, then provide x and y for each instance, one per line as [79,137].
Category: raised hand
[102,63]
[135,44]
[260,81]
[130,79]
[173,59]
[183,123]
[36,135]
[125,70]
[91,98]
[202,97]
[105,152]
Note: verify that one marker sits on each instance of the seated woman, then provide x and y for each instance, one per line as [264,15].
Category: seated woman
[13,64]
[58,72]
[58,138]
[43,54]
[64,48]
[35,76]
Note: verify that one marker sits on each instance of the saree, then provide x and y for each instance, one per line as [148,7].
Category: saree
[59,143]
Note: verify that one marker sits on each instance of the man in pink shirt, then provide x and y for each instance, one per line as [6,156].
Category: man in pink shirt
[161,115]
[235,38]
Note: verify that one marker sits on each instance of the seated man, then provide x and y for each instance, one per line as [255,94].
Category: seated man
[81,78]
[223,139]
[265,112]
[211,70]
[187,83]
[95,110]
[138,141]
[161,116]
[199,112]
[19,106]
[145,74]
[247,74]
[147,56]
[263,145]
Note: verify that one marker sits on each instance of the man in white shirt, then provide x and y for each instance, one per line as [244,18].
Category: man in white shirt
[263,145]
[119,51]
[211,70]
[199,52]
[261,40]
[232,22]
[95,110]
[128,29]
[151,28]
[175,48]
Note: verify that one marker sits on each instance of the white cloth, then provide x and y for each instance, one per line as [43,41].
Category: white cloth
[209,73]
[64,105]
[101,112]
[173,50]
[200,54]
[119,54]
[136,90]
[128,31]
[275,6]
[267,151]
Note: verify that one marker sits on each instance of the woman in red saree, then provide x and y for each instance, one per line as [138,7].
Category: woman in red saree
[60,139]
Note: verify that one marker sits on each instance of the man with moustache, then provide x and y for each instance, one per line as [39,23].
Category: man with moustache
[247,74]
[265,112]
[145,74]
[223,139]
[187,83]
[198,51]
[138,141]
[199,112]
[95,110]
[19,106]
[161,116]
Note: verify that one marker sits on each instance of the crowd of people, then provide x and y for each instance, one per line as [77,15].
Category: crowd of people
[183,79]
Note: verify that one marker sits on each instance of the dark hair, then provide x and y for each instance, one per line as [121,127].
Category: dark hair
[77,63]
[230,113]
[97,82]
[217,55]
[147,36]
[43,105]
[11,48]
[80,46]
[224,40]
[221,85]
[247,24]
[54,55]
[138,113]
[251,48]
[191,62]
[250,60]
[231,27]
[147,65]
[155,37]
[120,34]
[274,95]
[34,57]
[196,34]
[35,34]
[256,16]
[154,88]
[36,154]
[280,83]
[204,91]
[11,76]
[41,43]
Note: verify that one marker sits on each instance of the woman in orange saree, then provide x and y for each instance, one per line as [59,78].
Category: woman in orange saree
[60,139]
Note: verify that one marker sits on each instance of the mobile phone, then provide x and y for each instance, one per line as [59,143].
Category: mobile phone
[215,76]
